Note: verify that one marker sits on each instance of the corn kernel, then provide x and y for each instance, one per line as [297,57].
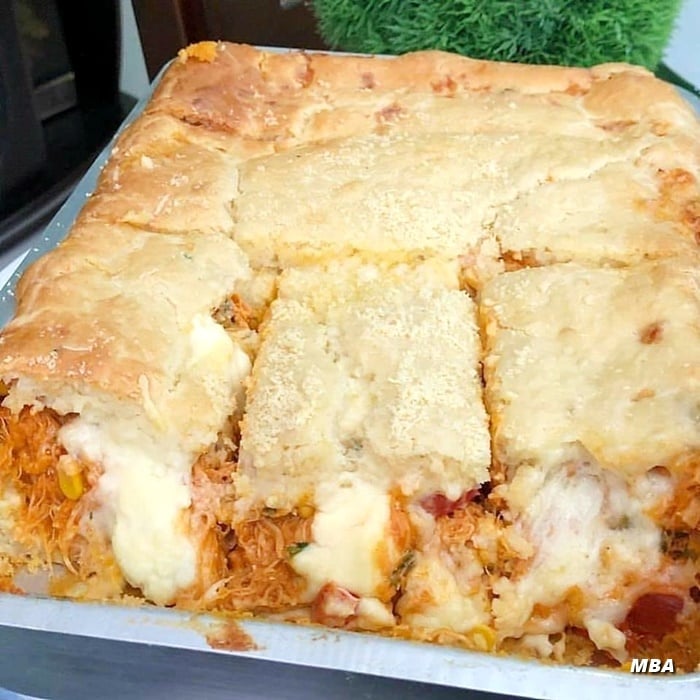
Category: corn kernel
[305,511]
[71,485]
[483,637]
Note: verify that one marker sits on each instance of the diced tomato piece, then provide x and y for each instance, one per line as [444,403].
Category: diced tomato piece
[334,606]
[438,505]
[653,614]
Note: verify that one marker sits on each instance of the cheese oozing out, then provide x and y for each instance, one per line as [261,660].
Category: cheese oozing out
[144,490]
[591,539]
[350,545]
[592,380]
[366,385]
[435,599]
[446,589]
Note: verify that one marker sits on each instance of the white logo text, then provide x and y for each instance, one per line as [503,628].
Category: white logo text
[652,666]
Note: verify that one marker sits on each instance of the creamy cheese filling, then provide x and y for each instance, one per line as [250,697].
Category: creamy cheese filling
[444,589]
[144,490]
[589,534]
[213,350]
[351,545]
[445,604]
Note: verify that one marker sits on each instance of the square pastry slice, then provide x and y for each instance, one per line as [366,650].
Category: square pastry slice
[116,380]
[381,197]
[624,211]
[602,358]
[593,383]
[365,397]
[401,196]
[170,176]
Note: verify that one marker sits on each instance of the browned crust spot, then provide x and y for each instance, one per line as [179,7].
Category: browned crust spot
[652,333]
[616,126]
[678,199]
[368,80]
[445,86]
[390,113]
[519,260]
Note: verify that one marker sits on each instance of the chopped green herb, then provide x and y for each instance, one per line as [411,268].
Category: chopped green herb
[295,548]
[676,544]
[402,568]
[624,523]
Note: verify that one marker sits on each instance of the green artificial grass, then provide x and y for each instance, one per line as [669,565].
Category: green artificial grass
[566,32]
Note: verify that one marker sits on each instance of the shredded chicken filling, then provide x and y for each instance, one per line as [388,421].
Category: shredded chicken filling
[48,522]
[261,577]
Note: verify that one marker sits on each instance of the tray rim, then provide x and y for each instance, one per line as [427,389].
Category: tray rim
[323,648]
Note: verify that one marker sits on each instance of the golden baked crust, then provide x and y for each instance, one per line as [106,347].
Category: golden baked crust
[128,358]
[93,312]
[615,134]
[616,342]
[165,175]
[286,96]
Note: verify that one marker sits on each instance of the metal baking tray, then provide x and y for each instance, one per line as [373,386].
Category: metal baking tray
[57,634]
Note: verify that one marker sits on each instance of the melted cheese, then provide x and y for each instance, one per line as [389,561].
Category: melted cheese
[605,635]
[373,614]
[445,588]
[144,490]
[435,599]
[588,534]
[349,531]
[216,361]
